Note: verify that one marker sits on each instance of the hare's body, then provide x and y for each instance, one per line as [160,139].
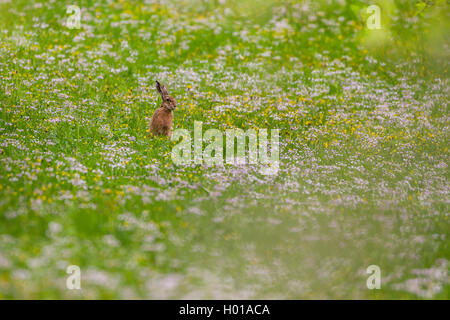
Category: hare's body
[161,122]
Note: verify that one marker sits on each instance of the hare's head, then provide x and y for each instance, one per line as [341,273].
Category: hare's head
[168,102]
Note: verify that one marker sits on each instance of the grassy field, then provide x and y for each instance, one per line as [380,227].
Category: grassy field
[364,134]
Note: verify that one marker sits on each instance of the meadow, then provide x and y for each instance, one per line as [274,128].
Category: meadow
[364,134]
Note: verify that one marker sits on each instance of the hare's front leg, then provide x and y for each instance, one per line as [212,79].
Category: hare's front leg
[167,131]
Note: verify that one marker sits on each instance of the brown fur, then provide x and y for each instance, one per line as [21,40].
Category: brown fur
[161,122]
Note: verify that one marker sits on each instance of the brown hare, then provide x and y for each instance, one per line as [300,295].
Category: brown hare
[161,122]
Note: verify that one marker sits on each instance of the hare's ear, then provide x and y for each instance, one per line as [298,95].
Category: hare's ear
[162,90]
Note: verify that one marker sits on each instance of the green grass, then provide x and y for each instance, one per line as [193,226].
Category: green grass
[363,119]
